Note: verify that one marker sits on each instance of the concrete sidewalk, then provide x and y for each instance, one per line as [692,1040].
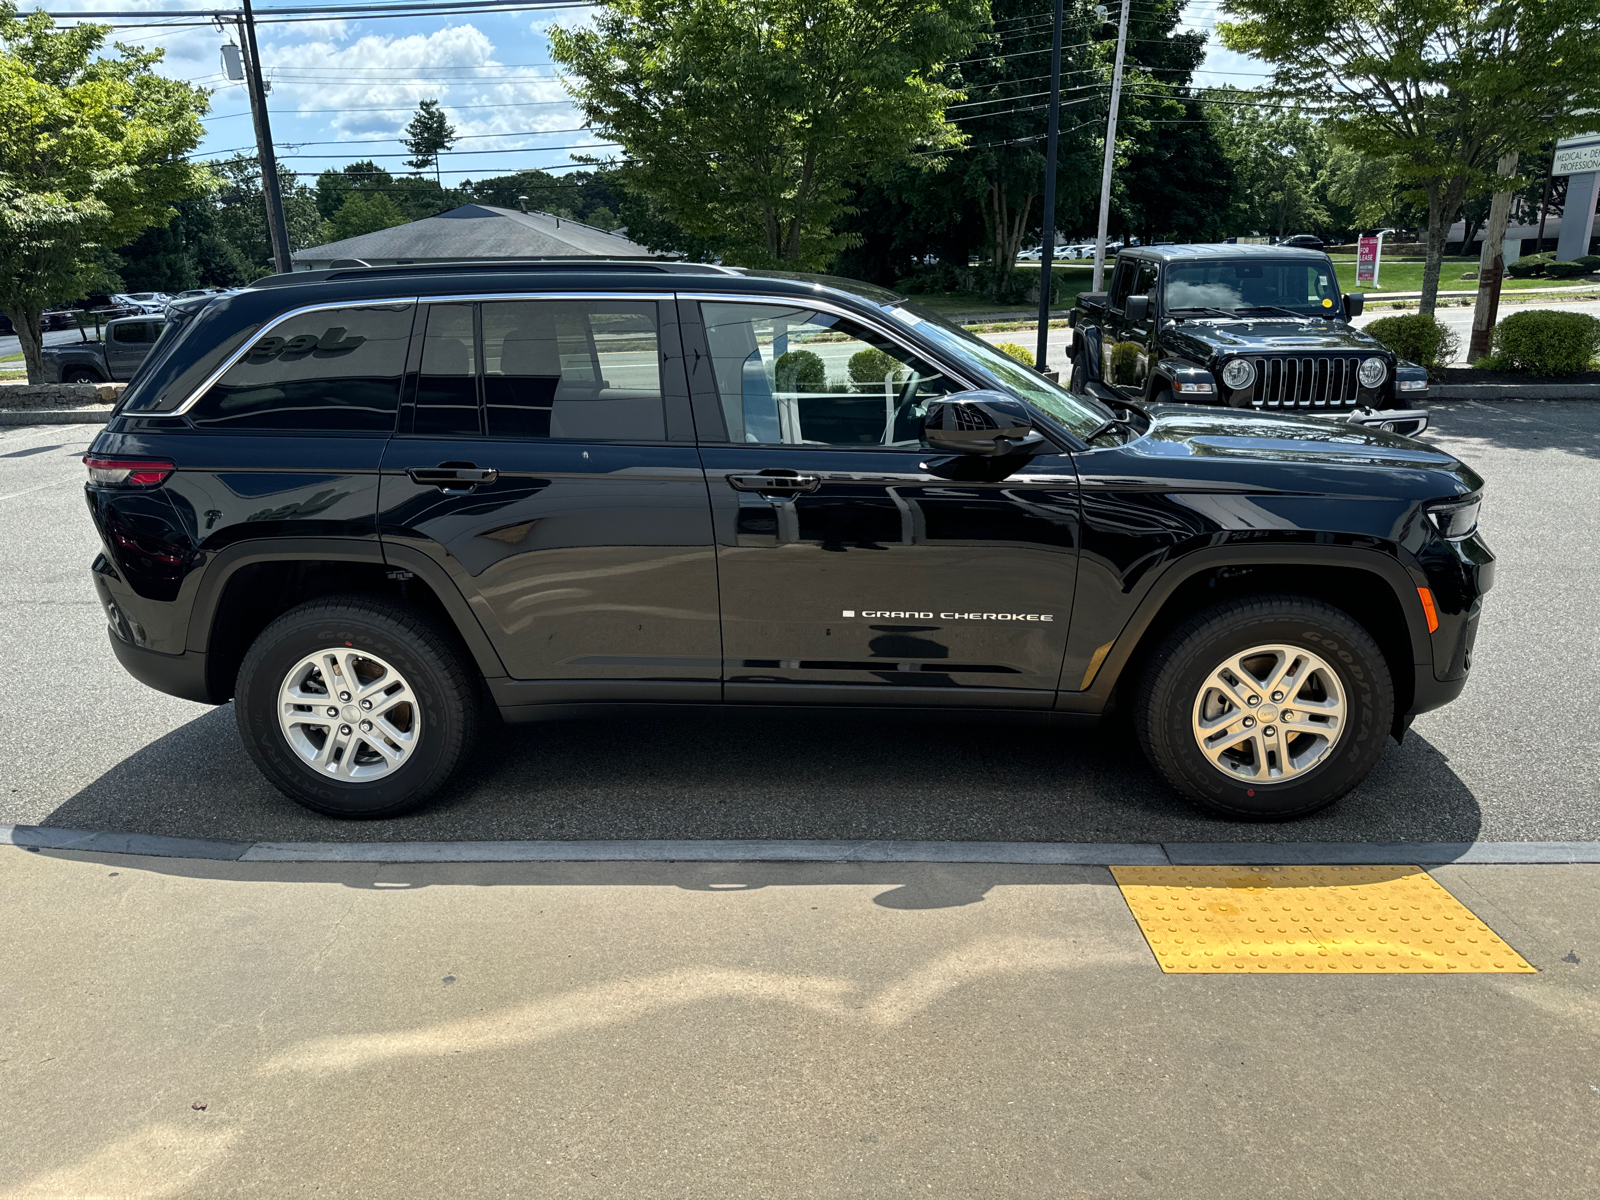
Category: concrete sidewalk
[202,1028]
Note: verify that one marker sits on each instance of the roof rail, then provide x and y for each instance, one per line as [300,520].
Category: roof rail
[346,269]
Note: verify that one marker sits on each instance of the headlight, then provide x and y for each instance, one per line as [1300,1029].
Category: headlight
[1457,520]
[1239,373]
[1373,372]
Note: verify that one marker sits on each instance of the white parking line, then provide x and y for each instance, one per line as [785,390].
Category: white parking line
[38,488]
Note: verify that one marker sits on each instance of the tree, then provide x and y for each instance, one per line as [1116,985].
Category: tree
[429,134]
[92,152]
[747,120]
[1441,88]
[362,212]
[1279,157]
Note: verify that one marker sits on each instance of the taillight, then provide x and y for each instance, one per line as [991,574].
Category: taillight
[127,472]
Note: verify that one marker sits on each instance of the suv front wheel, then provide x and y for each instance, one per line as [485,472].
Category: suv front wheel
[355,707]
[1266,708]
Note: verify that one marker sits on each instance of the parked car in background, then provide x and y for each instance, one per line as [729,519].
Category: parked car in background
[1304,241]
[64,317]
[1256,327]
[115,357]
[150,302]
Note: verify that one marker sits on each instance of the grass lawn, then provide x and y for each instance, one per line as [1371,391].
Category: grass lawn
[1405,275]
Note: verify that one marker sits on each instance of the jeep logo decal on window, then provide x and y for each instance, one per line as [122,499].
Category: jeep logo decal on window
[332,341]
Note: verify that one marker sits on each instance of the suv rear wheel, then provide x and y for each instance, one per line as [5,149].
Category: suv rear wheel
[1266,708]
[355,707]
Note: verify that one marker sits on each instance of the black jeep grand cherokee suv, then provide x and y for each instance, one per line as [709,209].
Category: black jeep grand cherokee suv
[367,503]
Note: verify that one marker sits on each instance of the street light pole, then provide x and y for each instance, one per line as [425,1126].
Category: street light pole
[277,227]
[1048,251]
[1111,146]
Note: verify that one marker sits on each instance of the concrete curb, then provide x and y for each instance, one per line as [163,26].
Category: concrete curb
[52,416]
[1514,391]
[42,837]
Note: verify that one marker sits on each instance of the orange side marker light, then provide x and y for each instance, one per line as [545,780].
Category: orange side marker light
[1429,610]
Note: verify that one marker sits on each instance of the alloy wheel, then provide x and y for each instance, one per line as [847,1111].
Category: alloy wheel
[1269,714]
[349,714]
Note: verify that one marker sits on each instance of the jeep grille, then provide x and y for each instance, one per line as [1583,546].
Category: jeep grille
[1326,381]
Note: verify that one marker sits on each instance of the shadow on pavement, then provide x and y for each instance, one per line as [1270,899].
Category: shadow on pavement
[762,776]
[1569,425]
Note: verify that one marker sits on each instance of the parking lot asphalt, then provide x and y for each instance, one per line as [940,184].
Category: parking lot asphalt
[1516,758]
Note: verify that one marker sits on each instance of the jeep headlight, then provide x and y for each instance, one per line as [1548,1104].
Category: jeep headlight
[1239,373]
[1457,519]
[1373,372]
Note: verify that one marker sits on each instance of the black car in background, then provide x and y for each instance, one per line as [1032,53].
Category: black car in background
[1304,241]
[376,506]
[1244,326]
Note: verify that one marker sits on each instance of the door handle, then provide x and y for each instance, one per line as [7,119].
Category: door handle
[789,484]
[453,478]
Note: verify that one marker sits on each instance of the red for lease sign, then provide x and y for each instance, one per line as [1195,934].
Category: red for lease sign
[1367,251]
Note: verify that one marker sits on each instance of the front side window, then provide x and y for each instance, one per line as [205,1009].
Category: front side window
[330,370]
[1304,288]
[789,375]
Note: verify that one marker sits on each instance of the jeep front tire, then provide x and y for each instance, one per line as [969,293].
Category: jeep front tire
[1266,708]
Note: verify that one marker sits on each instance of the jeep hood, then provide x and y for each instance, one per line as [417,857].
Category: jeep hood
[1281,335]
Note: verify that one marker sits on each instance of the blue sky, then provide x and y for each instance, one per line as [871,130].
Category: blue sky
[342,90]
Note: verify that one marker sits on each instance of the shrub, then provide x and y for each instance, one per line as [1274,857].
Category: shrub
[1565,270]
[938,277]
[1545,342]
[1530,265]
[1591,262]
[1021,353]
[1419,337]
[870,367]
[801,371]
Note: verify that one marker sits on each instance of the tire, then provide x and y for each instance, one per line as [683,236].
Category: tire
[429,692]
[81,375]
[1164,396]
[1277,771]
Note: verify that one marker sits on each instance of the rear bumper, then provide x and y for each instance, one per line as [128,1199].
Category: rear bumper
[180,675]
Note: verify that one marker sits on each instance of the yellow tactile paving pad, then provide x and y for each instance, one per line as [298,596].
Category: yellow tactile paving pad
[1343,920]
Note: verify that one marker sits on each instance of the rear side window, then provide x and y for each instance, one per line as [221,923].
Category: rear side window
[136,333]
[333,370]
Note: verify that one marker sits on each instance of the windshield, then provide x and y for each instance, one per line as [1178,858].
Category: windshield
[1077,413]
[1305,288]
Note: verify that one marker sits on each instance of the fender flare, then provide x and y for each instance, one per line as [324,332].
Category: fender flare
[1402,582]
[228,561]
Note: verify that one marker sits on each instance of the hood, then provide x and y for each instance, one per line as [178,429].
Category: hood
[1280,335]
[1309,446]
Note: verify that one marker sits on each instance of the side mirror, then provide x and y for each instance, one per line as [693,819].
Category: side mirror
[1354,302]
[1136,308]
[980,422]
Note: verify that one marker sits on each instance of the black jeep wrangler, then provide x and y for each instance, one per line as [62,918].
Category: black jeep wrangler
[1261,327]
[376,507]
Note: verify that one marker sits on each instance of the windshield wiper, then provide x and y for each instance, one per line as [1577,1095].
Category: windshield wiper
[1288,312]
[1200,308]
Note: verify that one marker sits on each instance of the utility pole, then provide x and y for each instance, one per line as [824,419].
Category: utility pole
[1048,245]
[1492,265]
[276,225]
[1111,146]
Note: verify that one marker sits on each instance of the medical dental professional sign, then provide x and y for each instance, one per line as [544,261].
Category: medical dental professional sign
[1368,250]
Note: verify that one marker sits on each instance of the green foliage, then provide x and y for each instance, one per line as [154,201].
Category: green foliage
[746,120]
[943,277]
[1545,342]
[800,371]
[363,212]
[1021,353]
[1530,265]
[241,214]
[1418,337]
[93,151]
[1565,270]
[1589,262]
[870,367]
[587,196]
[427,135]
[1125,360]
[1281,159]
[1440,89]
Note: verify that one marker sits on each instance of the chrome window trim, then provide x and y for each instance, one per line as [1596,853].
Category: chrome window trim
[837,310]
[210,380]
